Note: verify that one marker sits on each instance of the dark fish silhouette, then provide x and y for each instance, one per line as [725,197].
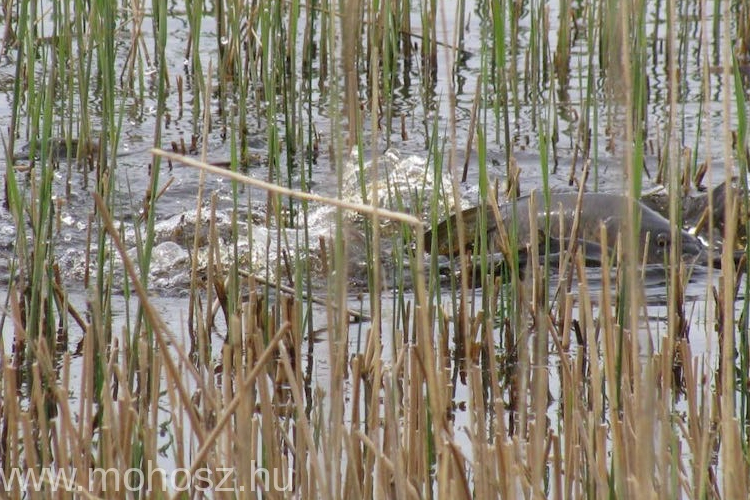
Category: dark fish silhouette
[655,235]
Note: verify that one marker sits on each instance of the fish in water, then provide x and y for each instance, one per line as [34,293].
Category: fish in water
[655,235]
[695,209]
[60,149]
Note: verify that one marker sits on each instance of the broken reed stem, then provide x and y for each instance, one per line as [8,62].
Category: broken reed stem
[371,210]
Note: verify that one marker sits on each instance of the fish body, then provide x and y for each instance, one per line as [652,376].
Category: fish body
[61,149]
[596,209]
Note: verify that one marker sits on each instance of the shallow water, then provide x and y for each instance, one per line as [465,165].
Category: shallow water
[73,183]
[409,171]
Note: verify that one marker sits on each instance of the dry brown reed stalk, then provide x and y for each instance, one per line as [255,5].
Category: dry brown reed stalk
[137,45]
[564,44]
[360,208]
[163,335]
[197,332]
[472,130]
[373,357]
[350,44]
[430,374]
[702,410]
[163,338]
[735,472]
[566,267]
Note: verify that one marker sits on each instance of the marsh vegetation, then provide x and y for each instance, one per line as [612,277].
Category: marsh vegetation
[213,256]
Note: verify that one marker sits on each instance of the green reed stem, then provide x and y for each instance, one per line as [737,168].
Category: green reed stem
[743,205]
[41,316]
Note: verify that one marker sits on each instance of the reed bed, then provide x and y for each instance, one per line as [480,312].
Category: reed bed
[280,379]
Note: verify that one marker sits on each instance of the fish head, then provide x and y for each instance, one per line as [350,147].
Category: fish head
[661,242]
[660,245]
